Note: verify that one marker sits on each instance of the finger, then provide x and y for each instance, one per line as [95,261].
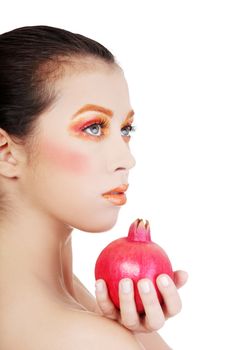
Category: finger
[104,301]
[129,314]
[180,278]
[172,301]
[154,317]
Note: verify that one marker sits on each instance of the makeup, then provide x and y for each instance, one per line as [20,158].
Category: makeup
[93,107]
[116,199]
[97,108]
[117,195]
[65,159]
[79,125]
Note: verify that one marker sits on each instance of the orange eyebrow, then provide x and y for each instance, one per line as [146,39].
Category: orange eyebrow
[91,107]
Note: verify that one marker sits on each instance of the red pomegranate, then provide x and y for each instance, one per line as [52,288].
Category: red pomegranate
[134,257]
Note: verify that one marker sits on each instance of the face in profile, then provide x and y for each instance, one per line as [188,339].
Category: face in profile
[83,150]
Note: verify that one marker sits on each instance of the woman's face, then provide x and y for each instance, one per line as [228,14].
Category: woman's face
[74,167]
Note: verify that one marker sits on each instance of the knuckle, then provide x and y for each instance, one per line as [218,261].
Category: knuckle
[172,296]
[170,292]
[129,319]
[151,304]
[154,320]
[107,308]
[176,310]
[127,302]
[155,324]
[133,325]
[126,298]
[101,297]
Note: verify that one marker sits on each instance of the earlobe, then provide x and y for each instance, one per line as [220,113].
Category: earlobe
[7,164]
[7,160]
[11,160]
[7,156]
[7,169]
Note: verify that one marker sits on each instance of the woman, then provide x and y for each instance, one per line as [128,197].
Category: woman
[65,126]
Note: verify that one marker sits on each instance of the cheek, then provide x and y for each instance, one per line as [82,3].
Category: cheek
[63,158]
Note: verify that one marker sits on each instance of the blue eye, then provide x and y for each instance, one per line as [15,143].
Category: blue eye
[94,128]
[130,128]
[102,125]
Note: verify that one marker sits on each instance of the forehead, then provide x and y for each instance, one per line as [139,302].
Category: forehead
[104,87]
[100,85]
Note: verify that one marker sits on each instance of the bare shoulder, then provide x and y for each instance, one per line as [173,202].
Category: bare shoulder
[86,330]
[57,327]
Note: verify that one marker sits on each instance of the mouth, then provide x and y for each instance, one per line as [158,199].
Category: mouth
[118,190]
[117,195]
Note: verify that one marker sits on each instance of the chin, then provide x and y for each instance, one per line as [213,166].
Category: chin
[101,223]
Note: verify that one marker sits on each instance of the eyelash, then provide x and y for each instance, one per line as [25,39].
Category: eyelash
[104,124]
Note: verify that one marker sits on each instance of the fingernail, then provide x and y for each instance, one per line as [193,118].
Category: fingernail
[145,287]
[164,281]
[99,286]
[126,287]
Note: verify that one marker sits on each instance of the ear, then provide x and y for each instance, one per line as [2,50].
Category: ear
[8,156]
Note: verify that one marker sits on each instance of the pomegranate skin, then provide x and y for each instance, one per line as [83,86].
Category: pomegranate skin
[134,257]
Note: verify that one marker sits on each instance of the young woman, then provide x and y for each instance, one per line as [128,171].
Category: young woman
[65,126]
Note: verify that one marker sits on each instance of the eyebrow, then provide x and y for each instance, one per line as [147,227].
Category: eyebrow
[97,108]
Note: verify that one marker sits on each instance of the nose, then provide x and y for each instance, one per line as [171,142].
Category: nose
[119,155]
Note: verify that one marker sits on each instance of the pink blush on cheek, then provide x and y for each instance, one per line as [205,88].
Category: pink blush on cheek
[66,159]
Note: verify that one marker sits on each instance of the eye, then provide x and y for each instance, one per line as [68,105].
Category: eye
[95,126]
[103,125]
[129,128]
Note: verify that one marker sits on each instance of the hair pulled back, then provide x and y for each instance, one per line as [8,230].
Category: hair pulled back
[32,59]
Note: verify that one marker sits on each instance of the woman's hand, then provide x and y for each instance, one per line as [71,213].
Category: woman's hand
[155,314]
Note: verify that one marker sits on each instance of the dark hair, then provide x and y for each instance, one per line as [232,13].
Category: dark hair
[30,59]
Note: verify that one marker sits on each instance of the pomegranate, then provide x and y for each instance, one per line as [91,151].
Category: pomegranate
[134,257]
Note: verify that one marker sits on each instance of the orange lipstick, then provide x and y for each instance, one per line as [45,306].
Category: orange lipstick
[117,195]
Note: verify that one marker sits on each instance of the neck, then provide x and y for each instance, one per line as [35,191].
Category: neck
[37,246]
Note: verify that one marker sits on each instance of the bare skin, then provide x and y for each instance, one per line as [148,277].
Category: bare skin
[59,191]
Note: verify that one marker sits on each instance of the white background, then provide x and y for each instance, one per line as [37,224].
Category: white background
[178,61]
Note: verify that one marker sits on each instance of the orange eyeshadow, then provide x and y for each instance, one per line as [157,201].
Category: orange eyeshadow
[76,127]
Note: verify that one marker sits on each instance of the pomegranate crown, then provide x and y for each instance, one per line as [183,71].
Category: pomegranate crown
[139,232]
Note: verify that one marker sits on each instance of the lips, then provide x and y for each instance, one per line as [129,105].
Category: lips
[118,190]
